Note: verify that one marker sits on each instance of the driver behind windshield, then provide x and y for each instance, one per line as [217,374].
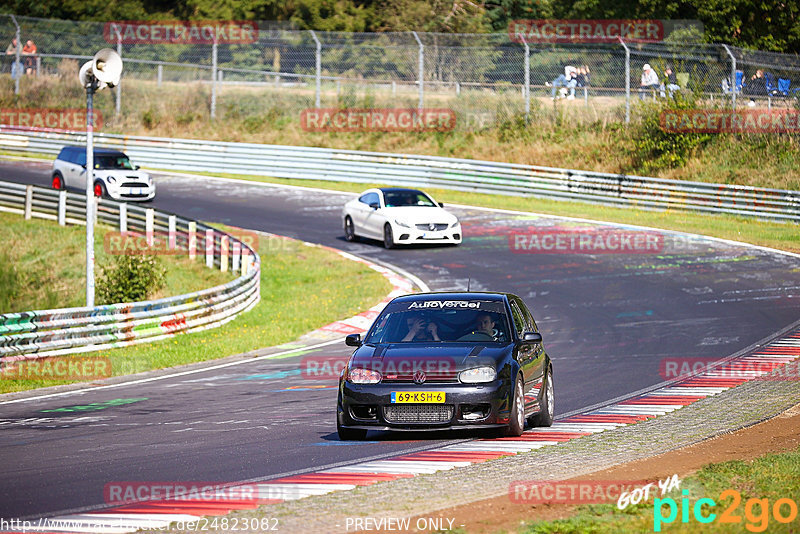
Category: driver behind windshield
[420,329]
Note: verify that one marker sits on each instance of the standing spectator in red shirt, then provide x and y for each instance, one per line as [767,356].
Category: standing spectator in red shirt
[29,51]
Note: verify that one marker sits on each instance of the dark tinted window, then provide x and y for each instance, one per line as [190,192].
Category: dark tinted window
[519,319]
[475,321]
[409,197]
[118,161]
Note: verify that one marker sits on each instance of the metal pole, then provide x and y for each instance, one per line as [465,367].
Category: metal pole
[17,64]
[527,90]
[627,81]
[214,80]
[318,77]
[733,75]
[90,89]
[118,88]
[421,71]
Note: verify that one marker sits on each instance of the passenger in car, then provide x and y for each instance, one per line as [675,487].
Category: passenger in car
[420,329]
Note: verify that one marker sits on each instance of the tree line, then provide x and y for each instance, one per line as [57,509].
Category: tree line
[772,25]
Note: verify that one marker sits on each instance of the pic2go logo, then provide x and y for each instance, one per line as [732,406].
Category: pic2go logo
[756,511]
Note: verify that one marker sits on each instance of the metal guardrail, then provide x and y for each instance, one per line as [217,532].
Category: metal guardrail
[36,334]
[448,173]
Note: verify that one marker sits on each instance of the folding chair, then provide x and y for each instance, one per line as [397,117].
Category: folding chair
[783,86]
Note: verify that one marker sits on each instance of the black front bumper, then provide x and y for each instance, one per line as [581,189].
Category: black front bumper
[369,406]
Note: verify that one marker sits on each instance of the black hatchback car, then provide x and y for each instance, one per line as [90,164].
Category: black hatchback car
[437,361]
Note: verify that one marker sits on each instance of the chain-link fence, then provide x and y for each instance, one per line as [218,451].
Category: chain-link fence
[484,78]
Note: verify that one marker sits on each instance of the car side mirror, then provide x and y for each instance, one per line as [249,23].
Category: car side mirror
[374,205]
[532,337]
[137,167]
[441,204]
[84,165]
[353,340]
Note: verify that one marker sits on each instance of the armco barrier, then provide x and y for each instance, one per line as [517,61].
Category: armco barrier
[37,334]
[449,173]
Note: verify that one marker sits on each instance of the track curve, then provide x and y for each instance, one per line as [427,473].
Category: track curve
[609,322]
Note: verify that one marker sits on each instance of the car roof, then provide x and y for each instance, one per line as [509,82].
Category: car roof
[100,151]
[456,295]
[398,190]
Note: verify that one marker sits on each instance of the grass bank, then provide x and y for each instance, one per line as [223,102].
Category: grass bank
[745,495]
[563,134]
[302,288]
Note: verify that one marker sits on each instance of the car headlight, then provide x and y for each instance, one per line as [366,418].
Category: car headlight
[111,179]
[149,179]
[401,223]
[477,375]
[363,376]
[454,224]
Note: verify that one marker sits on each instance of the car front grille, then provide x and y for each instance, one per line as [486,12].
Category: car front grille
[437,226]
[418,413]
[133,184]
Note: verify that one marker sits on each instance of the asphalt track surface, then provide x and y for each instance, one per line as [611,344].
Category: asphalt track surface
[609,321]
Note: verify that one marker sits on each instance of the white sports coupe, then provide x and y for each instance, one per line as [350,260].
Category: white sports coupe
[399,216]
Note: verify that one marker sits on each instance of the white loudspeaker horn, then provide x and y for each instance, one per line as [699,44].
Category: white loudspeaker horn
[86,76]
[107,67]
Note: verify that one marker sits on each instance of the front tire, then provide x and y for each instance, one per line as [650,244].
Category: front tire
[349,230]
[350,434]
[545,416]
[58,181]
[388,236]
[516,423]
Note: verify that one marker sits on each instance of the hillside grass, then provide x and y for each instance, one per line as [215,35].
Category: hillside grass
[560,134]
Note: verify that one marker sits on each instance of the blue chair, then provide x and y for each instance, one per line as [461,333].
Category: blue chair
[739,80]
[726,88]
[769,84]
[783,86]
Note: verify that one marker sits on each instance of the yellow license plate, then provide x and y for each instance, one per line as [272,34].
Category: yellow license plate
[423,397]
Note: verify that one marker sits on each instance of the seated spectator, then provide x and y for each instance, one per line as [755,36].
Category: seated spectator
[671,82]
[12,48]
[583,76]
[29,50]
[756,86]
[566,80]
[649,81]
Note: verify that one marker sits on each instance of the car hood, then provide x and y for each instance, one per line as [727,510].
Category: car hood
[436,360]
[420,214]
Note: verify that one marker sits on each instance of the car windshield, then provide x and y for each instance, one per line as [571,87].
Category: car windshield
[407,198]
[474,321]
[112,162]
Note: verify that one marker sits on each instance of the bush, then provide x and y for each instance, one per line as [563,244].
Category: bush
[130,278]
[654,148]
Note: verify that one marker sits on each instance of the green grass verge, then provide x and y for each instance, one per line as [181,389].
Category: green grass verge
[302,288]
[783,236]
[766,479]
